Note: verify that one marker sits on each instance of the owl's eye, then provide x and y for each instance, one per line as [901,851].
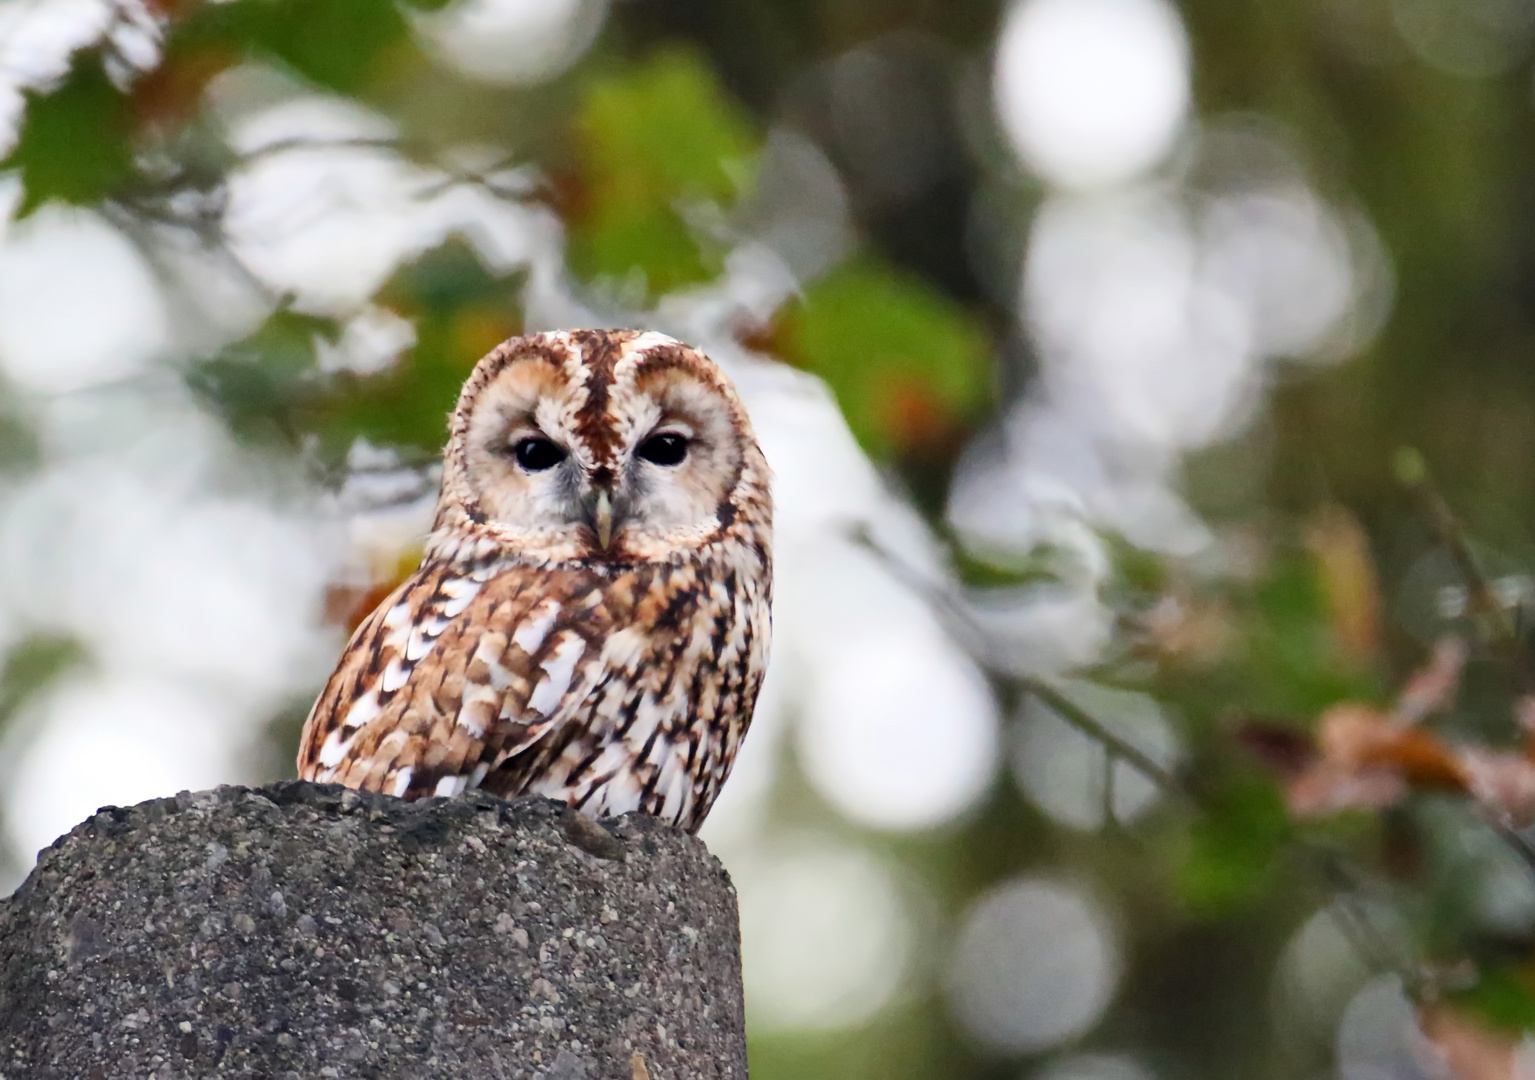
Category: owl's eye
[668,448]
[536,454]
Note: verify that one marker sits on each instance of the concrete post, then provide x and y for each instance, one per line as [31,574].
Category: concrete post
[303,931]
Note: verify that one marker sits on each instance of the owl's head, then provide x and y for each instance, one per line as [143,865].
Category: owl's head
[605,445]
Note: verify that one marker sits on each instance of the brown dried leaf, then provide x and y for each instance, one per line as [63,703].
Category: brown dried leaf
[1524,713]
[1502,783]
[1185,630]
[1370,759]
[1462,1047]
[1327,791]
[1432,688]
[1353,735]
[1283,747]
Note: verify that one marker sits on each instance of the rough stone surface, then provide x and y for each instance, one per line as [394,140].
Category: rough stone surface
[303,931]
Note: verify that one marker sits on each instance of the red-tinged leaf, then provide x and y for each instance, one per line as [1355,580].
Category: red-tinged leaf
[348,605]
[1370,759]
[1433,688]
[170,95]
[909,367]
[1503,783]
[1524,713]
[1283,747]
[1461,1046]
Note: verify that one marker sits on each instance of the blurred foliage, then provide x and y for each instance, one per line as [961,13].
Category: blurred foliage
[1503,997]
[653,144]
[271,384]
[461,312]
[343,45]
[648,146]
[31,667]
[1234,848]
[910,367]
[258,383]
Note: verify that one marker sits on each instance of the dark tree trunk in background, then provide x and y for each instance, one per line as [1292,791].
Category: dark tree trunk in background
[306,931]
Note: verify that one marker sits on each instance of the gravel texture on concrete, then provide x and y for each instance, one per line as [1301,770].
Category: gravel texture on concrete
[304,931]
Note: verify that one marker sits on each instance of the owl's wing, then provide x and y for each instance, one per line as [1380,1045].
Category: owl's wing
[451,675]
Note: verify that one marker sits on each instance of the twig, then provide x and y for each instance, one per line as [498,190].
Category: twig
[1503,628]
[300,142]
[1347,887]
[1068,710]
[1130,754]
[1514,839]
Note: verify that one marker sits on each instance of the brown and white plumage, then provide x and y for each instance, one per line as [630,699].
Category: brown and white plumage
[590,621]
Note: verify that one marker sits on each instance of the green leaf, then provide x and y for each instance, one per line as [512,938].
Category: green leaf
[663,131]
[31,666]
[651,141]
[341,45]
[1234,848]
[909,366]
[1503,997]
[338,44]
[74,141]
[1038,565]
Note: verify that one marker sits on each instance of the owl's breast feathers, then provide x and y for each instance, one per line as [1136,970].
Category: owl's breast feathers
[610,688]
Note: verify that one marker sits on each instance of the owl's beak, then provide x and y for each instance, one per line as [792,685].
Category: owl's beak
[602,517]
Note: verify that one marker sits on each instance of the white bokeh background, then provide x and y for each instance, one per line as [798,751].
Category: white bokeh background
[1036,965]
[1174,263]
[1091,92]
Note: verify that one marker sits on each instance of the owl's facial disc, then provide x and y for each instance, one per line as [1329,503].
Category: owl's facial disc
[649,475]
[522,465]
[679,462]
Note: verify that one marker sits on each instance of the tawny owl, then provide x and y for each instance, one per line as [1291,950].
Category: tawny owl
[590,621]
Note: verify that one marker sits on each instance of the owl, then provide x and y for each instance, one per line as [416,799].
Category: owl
[591,617]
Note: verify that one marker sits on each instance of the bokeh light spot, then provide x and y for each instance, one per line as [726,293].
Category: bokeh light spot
[899,729]
[1094,1067]
[78,303]
[1470,38]
[825,937]
[112,742]
[1379,1037]
[1091,92]
[1036,964]
[1322,968]
[510,42]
